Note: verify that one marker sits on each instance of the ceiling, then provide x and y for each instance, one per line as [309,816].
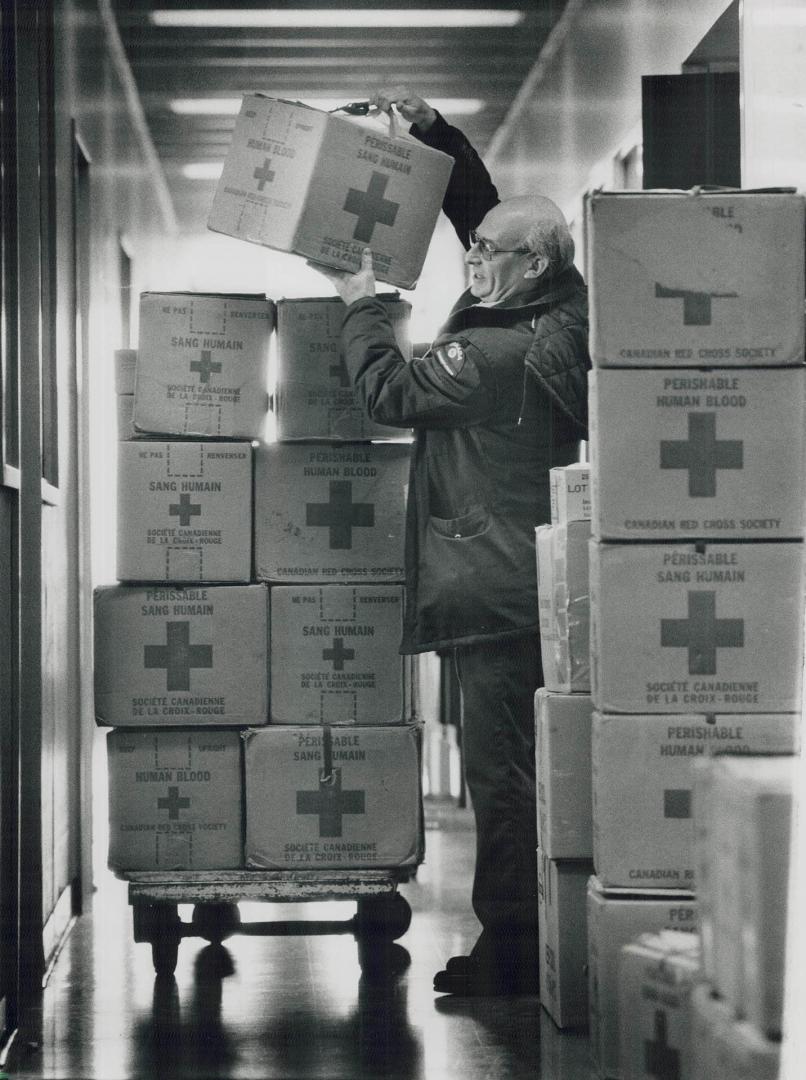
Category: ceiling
[340,62]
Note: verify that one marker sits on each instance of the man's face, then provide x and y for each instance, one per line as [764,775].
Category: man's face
[501,277]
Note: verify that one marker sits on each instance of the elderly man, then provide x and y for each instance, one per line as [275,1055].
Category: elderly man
[498,399]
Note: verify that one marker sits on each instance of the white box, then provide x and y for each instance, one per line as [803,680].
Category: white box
[704,454]
[125,369]
[564,605]
[696,628]
[657,973]
[202,365]
[643,828]
[314,397]
[181,656]
[299,179]
[724,1048]
[335,655]
[184,511]
[752,812]
[175,800]
[319,798]
[561,898]
[570,493]
[330,513]
[614,919]
[563,740]
[682,279]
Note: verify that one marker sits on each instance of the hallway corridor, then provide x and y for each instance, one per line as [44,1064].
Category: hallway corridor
[289,1008]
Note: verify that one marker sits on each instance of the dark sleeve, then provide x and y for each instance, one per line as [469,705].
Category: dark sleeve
[424,392]
[471,192]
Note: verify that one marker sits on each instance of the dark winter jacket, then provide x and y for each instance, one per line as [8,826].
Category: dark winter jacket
[486,433]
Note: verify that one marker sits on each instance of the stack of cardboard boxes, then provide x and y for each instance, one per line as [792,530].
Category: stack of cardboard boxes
[563,740]
[181,644]
[342,746]
[696,571]
[743,809]
[249,658]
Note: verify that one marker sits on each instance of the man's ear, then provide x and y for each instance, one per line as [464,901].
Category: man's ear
[538,267]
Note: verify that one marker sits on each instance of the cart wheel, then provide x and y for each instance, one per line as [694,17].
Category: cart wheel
[382,918]
[160,925]
[216,922]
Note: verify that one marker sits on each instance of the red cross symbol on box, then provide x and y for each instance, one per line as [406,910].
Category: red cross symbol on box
[264,174]
[338,654]
[371,207]
[340,514]
[173,804]
[661,1060]
[330,802]
[702,633]
[702,454]
[184,509]
[696,305]
[205,366]
[178,656]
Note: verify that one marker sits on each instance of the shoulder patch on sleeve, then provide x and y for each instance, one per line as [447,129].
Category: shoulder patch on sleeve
[451,357]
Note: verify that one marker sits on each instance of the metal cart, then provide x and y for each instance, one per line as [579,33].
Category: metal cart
[382,915]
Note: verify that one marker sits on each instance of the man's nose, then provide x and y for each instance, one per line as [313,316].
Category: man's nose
[473,255]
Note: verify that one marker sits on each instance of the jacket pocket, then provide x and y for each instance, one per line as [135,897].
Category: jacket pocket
[472,523]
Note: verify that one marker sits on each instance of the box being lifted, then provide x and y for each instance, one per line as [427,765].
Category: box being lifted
[302,180]
[192,656]
[184,511]
[175,800]
[334,655]
[329,514]
[202,365]
[682,279]
[706,454]
[314,397]
[333,797]
[681,628]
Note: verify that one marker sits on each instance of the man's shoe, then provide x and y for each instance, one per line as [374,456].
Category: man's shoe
[463,976]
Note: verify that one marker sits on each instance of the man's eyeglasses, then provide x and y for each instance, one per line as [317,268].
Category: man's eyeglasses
[487,248]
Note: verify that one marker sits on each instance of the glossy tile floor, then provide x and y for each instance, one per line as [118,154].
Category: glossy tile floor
[280,1008]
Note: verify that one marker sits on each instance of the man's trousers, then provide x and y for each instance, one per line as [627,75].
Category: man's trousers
[498,681]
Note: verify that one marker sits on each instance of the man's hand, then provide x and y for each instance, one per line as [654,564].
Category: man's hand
[351,287]
[410,105]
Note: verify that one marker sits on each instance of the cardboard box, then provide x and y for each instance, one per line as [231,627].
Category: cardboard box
[334,655]
[751,826]
[563,740]
[314,397]
[125,370]
[615,917]
[319,798]
[191,656]
[564,605]
[202,365]
[184,511]
[696,627]
[657,973]
[175,800]
[681,279]
[124,404]
[724,1048]
[330,513]
[705,454]
[561,892]
[570,493]
[702,771]
[643,828]
[298,179]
